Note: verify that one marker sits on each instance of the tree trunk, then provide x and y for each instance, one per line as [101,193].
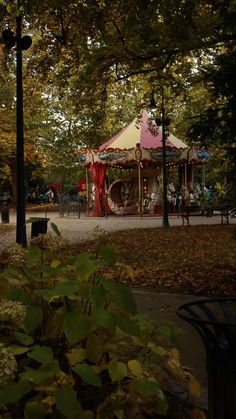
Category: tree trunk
[12,166]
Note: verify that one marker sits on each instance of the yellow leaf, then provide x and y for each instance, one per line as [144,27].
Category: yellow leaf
[197,414]
[173,366]
[46,389]
[55,263]
[17,350]
[194,386]
[174,362]
[159,350]
[135,368]
[137,341]
[119,413]
[76,355]
[9,8]
[174,353]
[48,402]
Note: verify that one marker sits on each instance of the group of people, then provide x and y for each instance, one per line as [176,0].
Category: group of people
[37,197]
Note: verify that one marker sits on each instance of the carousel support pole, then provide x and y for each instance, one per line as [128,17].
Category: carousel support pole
[203,177]
[87,190]
[138,155]
[140,191]
[185,177]
[192,175]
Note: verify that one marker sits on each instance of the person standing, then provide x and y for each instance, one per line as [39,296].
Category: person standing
[50,196]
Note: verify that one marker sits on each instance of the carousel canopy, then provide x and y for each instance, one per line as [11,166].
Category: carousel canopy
[145,133]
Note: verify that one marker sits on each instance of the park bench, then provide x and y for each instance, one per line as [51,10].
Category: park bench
[189,211]
[225,212]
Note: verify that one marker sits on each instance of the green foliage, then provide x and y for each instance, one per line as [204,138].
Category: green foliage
[23,338]
[55,229]
[41,354]
[12,392]
[33,318]
[34,411]
[76,326]
[82,349]
[88,375]
[67,403]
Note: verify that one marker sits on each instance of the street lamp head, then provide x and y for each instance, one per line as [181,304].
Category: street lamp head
[167,122]
[26,42]
[8,38]
[158,121]
[152,104]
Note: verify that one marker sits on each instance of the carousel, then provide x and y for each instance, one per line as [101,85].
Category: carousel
[138,150]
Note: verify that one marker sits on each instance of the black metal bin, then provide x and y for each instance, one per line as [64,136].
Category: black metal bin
[38,226]
[215,321]
[5,210]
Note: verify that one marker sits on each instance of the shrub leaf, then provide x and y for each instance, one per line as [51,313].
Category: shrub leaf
[76,326]
[67,403]
[108,254]
[34,317]
[117,370]
[42,354]
[88,375]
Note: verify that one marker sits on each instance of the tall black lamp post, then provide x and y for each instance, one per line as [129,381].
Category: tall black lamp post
[22,43]
[164,123]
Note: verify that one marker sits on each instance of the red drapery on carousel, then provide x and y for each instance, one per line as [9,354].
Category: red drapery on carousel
[98,172]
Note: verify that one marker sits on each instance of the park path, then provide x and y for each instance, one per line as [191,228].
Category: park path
[73,228]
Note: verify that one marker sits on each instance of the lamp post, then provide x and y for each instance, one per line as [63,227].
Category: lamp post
[22,43]
[163,122]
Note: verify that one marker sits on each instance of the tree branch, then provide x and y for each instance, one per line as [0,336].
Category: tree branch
[119,32]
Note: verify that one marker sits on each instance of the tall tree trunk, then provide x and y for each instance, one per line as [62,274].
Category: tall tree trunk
[12,166]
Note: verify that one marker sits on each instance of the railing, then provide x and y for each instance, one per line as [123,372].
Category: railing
[71,207]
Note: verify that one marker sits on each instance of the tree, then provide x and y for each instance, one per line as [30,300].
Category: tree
[216,124]
[92,55]
[33,117]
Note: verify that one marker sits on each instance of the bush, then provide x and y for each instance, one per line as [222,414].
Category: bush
[76,344]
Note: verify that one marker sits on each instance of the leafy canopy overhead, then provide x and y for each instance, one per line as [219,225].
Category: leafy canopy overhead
[96,60]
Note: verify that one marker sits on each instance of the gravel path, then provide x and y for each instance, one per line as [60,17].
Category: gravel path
[83,228]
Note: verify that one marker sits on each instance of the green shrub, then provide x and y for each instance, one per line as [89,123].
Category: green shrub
[81,348]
